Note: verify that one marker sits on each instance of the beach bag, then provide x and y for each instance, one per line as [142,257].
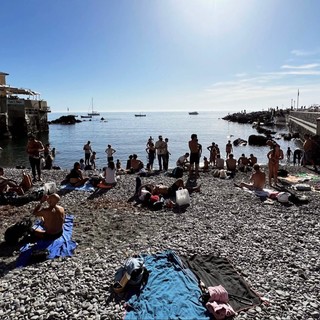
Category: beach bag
[182,197]
[15,232]
[131,273]
[177,172]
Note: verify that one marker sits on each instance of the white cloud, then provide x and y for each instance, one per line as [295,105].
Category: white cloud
[304,66]
[300,53]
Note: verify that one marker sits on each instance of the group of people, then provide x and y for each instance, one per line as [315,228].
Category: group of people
[190,161]
[159,149]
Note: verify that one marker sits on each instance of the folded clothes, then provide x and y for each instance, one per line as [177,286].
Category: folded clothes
[220,310]
[218,293]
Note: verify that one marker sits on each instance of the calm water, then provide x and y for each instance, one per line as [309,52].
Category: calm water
[128,134]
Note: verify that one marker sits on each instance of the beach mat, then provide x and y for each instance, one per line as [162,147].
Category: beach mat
[86,187]
[214,271]
[60,247]
[171,292]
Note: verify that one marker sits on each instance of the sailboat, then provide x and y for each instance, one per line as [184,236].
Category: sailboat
[93,113]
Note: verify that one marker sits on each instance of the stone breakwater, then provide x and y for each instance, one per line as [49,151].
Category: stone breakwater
[274,247]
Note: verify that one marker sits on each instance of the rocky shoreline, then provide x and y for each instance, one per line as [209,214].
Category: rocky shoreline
[274,247]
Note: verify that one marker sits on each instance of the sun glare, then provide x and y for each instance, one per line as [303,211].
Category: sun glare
[212,17]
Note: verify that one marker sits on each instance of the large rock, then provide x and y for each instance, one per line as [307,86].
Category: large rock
[65,120]
[239,142]
[257,140]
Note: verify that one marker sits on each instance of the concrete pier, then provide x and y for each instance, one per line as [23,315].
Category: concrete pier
[304,122]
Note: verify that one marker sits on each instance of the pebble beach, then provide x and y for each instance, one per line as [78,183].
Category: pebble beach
[275,247]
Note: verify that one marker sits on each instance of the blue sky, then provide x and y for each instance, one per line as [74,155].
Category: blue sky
[158,55]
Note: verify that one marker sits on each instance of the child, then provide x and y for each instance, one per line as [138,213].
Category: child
[81,164]
[289,152]
[205,164]
[93,160]
[118,165]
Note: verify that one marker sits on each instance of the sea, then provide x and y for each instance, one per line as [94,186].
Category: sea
[128,134]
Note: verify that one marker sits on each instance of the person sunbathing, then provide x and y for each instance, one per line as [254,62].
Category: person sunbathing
[161,189]
[75,176]
[52,217]
[257,180]
[9,185]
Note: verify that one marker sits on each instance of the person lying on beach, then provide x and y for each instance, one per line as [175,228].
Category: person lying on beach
[52,217]
[8,185]
[257,180]
[161,189]
[75,176]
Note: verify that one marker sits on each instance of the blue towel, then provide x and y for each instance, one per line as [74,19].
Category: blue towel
[86,187]
[60,247]
[172,291]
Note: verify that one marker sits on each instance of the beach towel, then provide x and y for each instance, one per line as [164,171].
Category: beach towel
[262,194]
[86,187]
[172,291]
[60,247]
[298,178]
[215,271]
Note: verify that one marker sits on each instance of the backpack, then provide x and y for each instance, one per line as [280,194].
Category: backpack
[17,231]
[177,172]
[191,182]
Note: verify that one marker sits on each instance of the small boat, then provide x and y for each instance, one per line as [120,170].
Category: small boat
[93,113]
[140,115]
[86,117]
[193,113]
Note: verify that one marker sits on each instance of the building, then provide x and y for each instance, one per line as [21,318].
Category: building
[21,111]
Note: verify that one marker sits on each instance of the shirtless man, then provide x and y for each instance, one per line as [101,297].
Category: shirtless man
[231,164]
[257,179]
[195,153]
[183,161]
[274,156]
[252,160]
[87,153]
[34,147]
[52,217]
[228,148]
